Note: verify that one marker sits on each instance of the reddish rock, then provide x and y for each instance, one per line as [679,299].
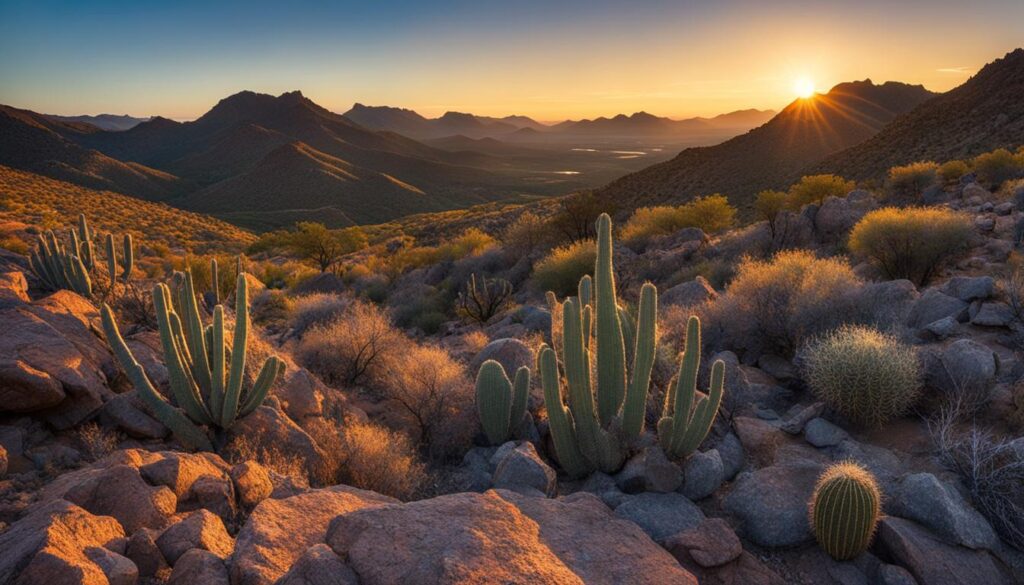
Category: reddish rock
[252,483]
[199,566]
[710,544]
[143,551]
[268,430]
[120,491]
[178,471]
[319,566]
[301,394]
[200,529]
[13,289]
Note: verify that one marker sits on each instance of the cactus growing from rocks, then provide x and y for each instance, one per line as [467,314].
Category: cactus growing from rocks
[205,383]
[59,267]
[844,510]
[689,414]
[501,403]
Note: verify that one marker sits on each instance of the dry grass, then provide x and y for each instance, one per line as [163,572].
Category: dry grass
[241,449]
[96,442]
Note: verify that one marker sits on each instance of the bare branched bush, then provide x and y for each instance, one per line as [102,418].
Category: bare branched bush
[308,311]
[374,458]
[483,298]
[242,449]
[353,348]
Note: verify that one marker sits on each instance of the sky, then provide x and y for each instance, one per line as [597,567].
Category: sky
[548,59]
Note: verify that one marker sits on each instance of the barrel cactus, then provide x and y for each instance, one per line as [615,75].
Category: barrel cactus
[501,403]
[844,510]
[206,382]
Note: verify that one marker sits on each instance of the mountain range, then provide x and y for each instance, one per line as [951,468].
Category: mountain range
[113,122]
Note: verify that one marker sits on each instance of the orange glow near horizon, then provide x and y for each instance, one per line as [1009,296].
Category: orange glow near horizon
[803,87]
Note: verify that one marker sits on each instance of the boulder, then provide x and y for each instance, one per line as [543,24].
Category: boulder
[771,503]
[943,328]
[934,305]
[703,473]
[711,543]
[940,508]
[319,566]
[649,471]
[120,491]
[731,453]
[510,353]
[522,468]
[970,288]
[794,425]
[759,438]
[894,575]
[499,537]
[688,294]
[301,394]
[200,529]
[837,215]
[13,289]
[994,314]
[887,301]
[199,566]
[215,494]
[117,569]
[279,531]
[963,367]
[143,551]
[604,487]
[932,561]
[269,431]
[128,413]
[252,483]
[47,546]
[179,471]
[660,515]
[821,433]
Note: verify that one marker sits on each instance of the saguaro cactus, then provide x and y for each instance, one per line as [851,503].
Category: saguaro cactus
[688,414]
[500,402]
[214,281]
[844,510]
[205,384]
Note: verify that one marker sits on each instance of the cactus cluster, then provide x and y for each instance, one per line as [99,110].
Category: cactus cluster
[500,402]
[61,267]
[844,510]
[205,382]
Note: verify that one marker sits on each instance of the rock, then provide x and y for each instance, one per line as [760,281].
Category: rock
[47,545]
[821,433]
[964,367]
[771,503]
[500,537]
[837,215]
[895,575]
[522,467]
[268,430]
[200,529]
[731,452]
[660,515]
[970,288]
[703,473]
[932,561]
[534,318]
[13,289]
[319,566]
[778,367]
[984,223]
[199,566]
[942,328]
[252,483]
[995,314]
[888,301]
[974,190]
[3,462]
[279,531]
[649,471]
[301,394]
[934,305]
[211,493]
[688,294]
[120,491]
[117,569]
[127,412]
[758,438]
[940,508]
[179,471]
[53,456]
[711,543]
[510,353]
[794,425]
[1004,208]
[603,486]
[143,551]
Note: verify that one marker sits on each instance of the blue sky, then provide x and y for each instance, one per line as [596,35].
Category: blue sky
[571,60]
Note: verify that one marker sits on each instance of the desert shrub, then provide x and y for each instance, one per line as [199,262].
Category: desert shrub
[377,459]
[241,448]
[561,270]
[472,242]
[911,243]
[816,188]
[96,442]
[577,216]
[651,221]
[270,307]
[436,392]
[768,205]
[912,179]
[429,322]
[951,171]
[711,214]
[775,305]
[14,244]
[997,166]
[315,309]
[525,234]
[482,298]
[353,348]
[868,376]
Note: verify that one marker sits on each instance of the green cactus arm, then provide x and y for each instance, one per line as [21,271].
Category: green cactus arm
[520,394]
[271,370]
[182,386]
[195,338]
[190,435]
[610,348]
[78,276]
[494,401]
[53,254]
[585,291]
[233,391]
[704,414]
[577,377]
[628,324]
[560,420]
[635,405]
[239,265]
[214,281]
[217,354]
[686,384]
[111,259]
[127,258]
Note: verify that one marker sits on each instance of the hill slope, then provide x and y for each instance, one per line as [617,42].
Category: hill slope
[772,155]
[985,113]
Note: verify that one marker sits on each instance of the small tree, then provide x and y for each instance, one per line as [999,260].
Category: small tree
[816,188]
[711,213]
[577,216]
[913,179]
[314,242]
[768,205]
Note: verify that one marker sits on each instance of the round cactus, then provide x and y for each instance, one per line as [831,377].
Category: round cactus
[844,510]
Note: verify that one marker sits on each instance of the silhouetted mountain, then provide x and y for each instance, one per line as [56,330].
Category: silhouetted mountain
[31,142]
[644,124]
[772,155]
[110,122]
[413,125]
[985,113]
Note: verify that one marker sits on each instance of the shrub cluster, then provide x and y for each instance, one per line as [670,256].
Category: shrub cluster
[816,188]
[711,214]
[561,270]
[867,376]
[913,179]
[1000,165]
[351,349]
[951,171]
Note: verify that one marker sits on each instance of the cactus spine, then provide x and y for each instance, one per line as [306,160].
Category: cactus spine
[589,438]
[844,510]
[501,403]
[205,385]
[688,414]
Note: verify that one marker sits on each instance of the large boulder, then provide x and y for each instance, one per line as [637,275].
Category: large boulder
[970,288]
[319,566]
[688,294]
[934,562]
[50,546]
[267,430]
[964,367]
[660,515]
[279,531]
[200,529]
[510,353]
[771,503]
[120,491]
[199,566]
[649,471]
[500,537]
[934,305]
[521,469]
[940,507]
[703,473]
[13,289]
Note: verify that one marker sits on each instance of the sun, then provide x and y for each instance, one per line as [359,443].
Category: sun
[803,87]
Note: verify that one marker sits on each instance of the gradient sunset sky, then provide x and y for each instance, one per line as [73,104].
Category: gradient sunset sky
[576,59]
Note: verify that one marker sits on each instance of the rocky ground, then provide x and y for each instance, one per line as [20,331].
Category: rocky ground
[93,489]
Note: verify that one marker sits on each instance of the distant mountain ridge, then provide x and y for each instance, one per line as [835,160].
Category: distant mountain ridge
[770,156]
[112,122]
[410,123]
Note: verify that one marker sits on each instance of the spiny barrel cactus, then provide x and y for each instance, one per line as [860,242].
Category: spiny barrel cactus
[500,402]
[844,510]
[205,385]
[588,438]
[688,414]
